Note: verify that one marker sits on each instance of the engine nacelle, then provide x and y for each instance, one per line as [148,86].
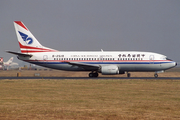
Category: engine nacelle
[109,70]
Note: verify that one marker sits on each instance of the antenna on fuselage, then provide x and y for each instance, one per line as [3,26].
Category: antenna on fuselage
[102,50]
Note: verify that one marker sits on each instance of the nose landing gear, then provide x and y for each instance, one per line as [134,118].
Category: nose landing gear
[155,75]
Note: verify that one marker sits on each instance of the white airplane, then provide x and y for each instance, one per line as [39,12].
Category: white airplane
[7,64]
[104,62]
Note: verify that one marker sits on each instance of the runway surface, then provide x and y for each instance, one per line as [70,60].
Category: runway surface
[86,78]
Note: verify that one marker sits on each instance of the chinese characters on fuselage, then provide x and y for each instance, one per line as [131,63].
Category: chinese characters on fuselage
[131,55]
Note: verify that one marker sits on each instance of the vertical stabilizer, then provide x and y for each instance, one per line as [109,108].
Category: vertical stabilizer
[27,42]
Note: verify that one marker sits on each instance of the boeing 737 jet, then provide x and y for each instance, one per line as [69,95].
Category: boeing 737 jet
[104,62]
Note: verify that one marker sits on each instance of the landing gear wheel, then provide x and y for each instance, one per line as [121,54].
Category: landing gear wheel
[128,75]
[90,75]
[155,75]
[93,74]
[96,74]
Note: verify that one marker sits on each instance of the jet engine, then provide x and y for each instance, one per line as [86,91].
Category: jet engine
[109,70]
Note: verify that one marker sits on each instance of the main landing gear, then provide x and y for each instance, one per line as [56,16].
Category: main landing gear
[93,74]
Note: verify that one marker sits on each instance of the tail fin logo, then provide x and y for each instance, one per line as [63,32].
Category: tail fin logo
[25,37]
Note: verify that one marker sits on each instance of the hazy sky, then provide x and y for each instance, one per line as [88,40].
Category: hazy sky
[91,25]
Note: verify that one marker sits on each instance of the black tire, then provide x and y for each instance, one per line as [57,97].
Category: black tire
[95,74]
[156,75]
[91,75]
[128,75]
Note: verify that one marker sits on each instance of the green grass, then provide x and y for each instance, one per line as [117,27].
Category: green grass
[90,99]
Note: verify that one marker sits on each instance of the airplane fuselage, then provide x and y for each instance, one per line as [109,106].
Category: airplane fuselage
[124,60]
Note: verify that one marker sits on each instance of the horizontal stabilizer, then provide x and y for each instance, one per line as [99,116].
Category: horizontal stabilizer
[19,54]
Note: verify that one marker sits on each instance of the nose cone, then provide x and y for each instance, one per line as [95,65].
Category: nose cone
[174,64]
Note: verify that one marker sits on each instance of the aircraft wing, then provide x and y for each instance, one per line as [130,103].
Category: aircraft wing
[85,66]
[20,54]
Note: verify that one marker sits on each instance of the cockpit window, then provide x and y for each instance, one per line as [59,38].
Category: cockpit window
[169,59]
